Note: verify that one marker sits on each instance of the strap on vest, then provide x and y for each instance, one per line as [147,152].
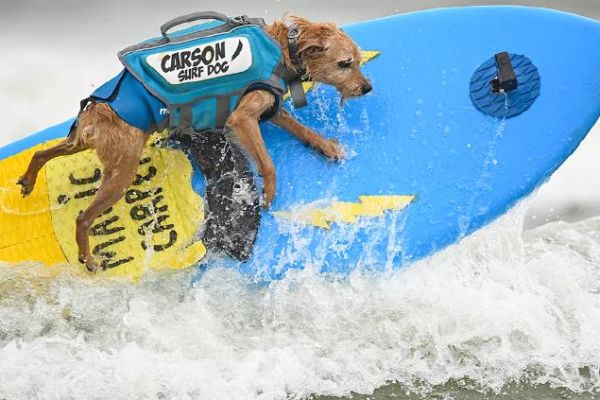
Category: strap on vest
[297,93]
[184,123]
[244,19]
[223,103]
[295,84]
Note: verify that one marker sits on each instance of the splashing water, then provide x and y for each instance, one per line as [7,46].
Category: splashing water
[501,306]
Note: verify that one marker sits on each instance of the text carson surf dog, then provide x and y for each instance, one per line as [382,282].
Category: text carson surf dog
[210,60]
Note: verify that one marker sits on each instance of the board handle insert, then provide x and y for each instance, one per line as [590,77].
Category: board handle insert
[506,80]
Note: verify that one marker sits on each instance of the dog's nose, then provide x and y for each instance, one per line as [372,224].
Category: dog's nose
[366,88]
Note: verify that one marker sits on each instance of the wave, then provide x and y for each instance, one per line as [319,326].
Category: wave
[502,306]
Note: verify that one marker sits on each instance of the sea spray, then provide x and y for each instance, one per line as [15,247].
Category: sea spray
[499,307]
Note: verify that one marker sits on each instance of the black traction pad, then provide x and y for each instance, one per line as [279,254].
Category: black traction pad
[232,206]
[512,103]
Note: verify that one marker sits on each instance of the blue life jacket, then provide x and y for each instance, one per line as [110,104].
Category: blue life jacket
[194,78]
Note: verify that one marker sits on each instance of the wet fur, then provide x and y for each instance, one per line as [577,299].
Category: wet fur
[119,146]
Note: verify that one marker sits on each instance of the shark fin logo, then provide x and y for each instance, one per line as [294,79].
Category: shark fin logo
[238,50]
[323,215]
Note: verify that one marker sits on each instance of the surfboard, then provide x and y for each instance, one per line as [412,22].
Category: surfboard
[432,155]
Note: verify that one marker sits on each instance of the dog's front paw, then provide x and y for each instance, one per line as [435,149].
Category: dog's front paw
[269,193]
[332,149]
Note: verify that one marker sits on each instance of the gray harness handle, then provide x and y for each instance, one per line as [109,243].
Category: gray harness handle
[184,19]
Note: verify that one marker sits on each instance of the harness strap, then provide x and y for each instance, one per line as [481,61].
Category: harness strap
[293,34]
[297,93]
[186,117]
[295,83]
[223,103]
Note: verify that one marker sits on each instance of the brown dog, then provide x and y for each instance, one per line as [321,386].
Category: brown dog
[326,53]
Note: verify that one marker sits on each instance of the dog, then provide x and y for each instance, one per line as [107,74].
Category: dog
[323,53]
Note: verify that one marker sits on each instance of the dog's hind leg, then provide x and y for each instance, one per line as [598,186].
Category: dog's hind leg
[81,137]
[120,160]
[40,158]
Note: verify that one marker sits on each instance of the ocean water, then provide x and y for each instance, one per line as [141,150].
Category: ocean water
[512,312]
[505,311]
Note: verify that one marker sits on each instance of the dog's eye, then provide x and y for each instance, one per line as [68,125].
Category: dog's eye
[345,64]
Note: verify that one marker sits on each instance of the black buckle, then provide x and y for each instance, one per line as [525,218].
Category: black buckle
[293,32]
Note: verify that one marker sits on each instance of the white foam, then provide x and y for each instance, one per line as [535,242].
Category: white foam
[493,308]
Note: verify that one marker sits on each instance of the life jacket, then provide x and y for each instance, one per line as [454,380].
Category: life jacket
[195,77]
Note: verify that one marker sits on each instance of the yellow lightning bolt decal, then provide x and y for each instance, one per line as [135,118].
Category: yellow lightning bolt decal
[345,212]
[367,56]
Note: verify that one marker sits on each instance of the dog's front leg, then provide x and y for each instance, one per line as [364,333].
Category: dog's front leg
[331,148]
[243,122]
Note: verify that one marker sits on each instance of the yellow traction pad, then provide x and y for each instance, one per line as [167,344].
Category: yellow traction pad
[26,232]
[151,227]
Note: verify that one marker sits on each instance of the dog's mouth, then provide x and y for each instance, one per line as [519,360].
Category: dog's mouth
[357,91]
[351,95]
[343,98]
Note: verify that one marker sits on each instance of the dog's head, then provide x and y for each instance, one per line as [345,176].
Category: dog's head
[330,56]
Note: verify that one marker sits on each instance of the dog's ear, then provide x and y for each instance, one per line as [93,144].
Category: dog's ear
[311,45]
[313,36]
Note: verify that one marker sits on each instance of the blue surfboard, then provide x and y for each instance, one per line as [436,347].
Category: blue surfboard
[433,154]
